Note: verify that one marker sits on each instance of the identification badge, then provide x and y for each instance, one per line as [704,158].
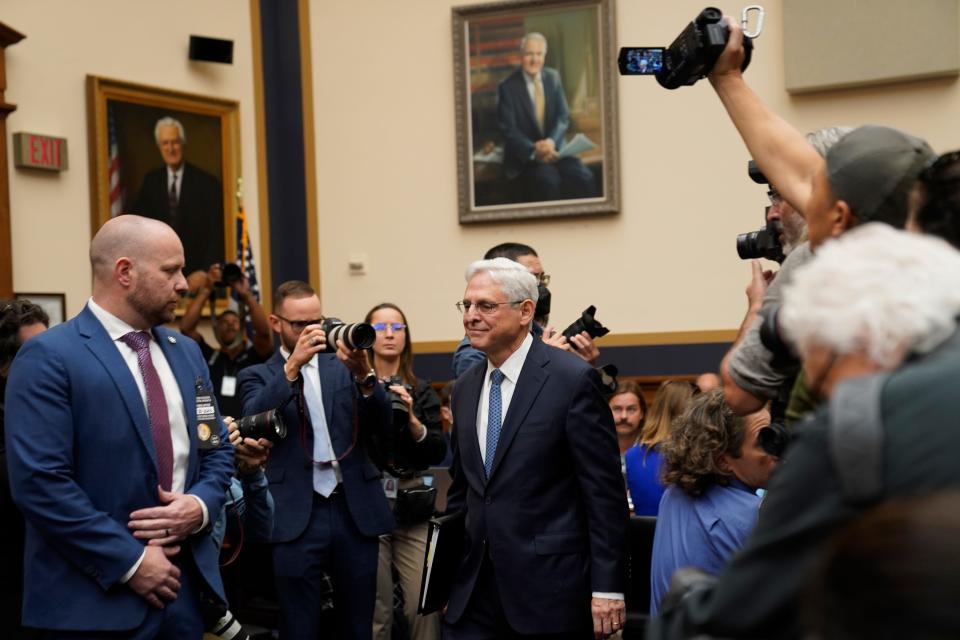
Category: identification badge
[208,432]
[389,486]
[228,388]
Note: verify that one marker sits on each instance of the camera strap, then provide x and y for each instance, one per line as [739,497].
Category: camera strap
[305,428]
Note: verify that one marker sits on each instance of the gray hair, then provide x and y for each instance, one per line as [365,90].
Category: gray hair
[876,290]
[515,281]
[823,139]
[534,35]
[167,121]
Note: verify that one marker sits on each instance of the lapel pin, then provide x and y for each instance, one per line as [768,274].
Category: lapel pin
[172,339]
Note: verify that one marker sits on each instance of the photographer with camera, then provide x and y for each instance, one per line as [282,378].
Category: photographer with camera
[579,343]
[330,505]
[234,353]
[415,443]
[751,376]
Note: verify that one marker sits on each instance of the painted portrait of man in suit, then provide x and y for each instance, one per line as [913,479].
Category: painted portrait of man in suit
[184,196]
[536,112]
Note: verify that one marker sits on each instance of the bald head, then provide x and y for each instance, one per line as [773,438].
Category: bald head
[126,236]
[137,270]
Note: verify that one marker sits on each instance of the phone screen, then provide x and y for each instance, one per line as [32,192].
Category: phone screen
[640,61]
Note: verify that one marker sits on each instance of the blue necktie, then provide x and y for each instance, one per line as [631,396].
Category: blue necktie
[324,477]
[495,408]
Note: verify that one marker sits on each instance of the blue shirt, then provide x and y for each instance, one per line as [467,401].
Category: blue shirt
[700,532]
[643,478]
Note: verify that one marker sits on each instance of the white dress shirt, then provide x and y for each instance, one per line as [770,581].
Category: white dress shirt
[176,413]
[321,431]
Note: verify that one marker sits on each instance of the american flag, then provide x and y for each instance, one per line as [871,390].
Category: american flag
[113,170]
[245,261]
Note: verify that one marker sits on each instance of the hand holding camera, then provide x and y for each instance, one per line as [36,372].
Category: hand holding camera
[312,340]
[250,454]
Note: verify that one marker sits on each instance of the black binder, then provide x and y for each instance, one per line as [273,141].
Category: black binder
[441,561]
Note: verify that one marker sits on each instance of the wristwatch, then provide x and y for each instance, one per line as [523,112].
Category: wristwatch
[368,381]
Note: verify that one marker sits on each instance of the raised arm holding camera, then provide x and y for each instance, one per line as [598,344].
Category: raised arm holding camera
[330,505]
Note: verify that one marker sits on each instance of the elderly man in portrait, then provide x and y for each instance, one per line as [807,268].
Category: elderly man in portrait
[184,196]
[536,470]
[534,117]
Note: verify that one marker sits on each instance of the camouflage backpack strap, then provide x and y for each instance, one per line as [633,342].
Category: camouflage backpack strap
[856,436]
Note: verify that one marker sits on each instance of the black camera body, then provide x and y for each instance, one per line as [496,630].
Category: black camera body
[358,335]
[586,322]
[689,58]
[399,408]
[266,424]
[763,243]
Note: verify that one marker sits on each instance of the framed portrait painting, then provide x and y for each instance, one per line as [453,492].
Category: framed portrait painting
[535,109]
[167,155]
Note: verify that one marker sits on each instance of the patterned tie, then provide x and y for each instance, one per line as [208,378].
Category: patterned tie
[539,106]
[324,477]
[139,341]
[173,201]
[495,408]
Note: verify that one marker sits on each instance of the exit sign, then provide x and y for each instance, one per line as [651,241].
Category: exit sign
[37,151]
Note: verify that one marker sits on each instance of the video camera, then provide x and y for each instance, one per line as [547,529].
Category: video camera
[694,52]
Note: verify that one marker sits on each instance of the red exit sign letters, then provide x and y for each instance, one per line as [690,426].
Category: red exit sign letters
[37,151]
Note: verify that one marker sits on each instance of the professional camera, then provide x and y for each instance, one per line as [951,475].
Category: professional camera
[694,52]
[401,413]
[586,322]
[358,335]
[230,274]
[266,424]
[774,439]
[782,352]
[763,243]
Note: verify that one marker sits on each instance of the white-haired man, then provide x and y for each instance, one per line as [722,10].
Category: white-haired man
[873,317]
[534,117]
[184,196]
[536,468]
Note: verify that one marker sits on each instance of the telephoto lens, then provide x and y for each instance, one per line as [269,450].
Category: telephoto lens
[358,335]
[267,424]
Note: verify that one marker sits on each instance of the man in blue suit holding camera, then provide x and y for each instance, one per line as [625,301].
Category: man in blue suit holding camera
[117,456]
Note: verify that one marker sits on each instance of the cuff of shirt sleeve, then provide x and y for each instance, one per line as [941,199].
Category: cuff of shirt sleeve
[136,565]
[423,435]
[206,514]
[608,596]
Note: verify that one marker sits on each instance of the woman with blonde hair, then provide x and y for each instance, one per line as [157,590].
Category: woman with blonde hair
[643,461]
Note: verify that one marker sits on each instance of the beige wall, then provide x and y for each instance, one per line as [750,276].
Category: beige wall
[386,179]
[132,40]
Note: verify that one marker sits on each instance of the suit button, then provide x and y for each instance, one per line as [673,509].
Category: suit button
[488,500]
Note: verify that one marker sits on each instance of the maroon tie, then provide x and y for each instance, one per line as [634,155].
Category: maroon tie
[139,341]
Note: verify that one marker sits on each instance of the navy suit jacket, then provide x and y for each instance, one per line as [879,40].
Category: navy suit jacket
[553,515]
[81,459]
[518,122]
[200,213]
[290,470]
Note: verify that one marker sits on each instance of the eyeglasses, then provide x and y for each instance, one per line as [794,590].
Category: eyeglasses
[543,278]
[485,307]
[775,197]
[382,326]
[300,325]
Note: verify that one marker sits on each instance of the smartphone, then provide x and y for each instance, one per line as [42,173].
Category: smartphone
[640,61]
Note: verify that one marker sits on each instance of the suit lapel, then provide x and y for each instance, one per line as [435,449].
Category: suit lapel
[529,384]
[466,421]
[99,343]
